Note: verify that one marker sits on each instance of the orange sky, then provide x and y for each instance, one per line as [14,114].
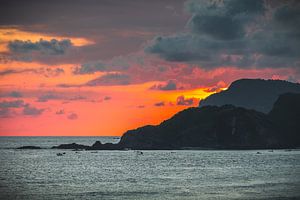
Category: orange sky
[113,68]
[101,110]
[129,106]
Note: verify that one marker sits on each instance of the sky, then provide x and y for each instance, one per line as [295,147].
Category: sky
[101,67]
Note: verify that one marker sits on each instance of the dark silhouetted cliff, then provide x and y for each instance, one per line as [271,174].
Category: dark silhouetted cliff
[225,127]
[286,118]
[257,94]
[213,127]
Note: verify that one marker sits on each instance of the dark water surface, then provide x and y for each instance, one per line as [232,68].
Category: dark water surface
[41,174]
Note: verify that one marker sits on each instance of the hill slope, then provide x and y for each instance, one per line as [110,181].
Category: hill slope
[257,94]
[225,127]
[286,118]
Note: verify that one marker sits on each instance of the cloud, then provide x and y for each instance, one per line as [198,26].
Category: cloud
[76,98]
[47,72]
[6,113]
[60,96]
[72,116]
[182,101]
[52,47]
[14,71]
[113,34]
[90,68]
[7,108]
[30,110]
[217,88]
[15,94]
[46,97]
[159,104]
[60,112]
[110,79]
[107,98]
[12,104]
[224,21]
[50,72]
[170,85]
[244,34]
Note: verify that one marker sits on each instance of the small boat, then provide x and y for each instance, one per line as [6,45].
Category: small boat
[59,154]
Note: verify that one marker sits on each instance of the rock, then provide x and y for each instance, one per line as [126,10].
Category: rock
[107,146]
[29,147]
[70,146]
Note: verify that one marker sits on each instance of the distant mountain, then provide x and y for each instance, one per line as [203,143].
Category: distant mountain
[257,94]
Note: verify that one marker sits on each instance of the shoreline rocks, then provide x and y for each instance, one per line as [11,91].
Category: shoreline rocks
[29,147]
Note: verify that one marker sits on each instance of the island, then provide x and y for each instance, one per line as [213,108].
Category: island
[216,127]
[251,114]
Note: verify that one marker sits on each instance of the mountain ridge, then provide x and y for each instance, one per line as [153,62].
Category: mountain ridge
[257,94]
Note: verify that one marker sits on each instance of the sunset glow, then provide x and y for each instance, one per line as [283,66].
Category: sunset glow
[103,73]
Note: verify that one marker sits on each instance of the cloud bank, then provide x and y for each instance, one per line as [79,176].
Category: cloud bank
[244,34]
[52,47]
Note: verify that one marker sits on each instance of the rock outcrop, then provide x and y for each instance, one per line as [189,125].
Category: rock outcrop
[29,147]
[71,146]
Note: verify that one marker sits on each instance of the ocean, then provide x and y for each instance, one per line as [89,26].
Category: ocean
[114,175]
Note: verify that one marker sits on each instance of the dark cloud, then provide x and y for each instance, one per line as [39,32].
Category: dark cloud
[14,71]
[15,94]
[116,64]
[12,104]
[6,113]
[8,108]
[170,85]
[107,98]
[47,72]
[236,33]
[60,96]
[224,21]
[90,68]
[76,98]
[117,28]
[33,111]
[110,79]
[52,47]
[50,72]
[46,97]
[141,106]
[65,85]
[182,101]
[159,104]
[72,116]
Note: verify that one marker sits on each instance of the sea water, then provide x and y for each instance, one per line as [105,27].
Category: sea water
[185,174]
